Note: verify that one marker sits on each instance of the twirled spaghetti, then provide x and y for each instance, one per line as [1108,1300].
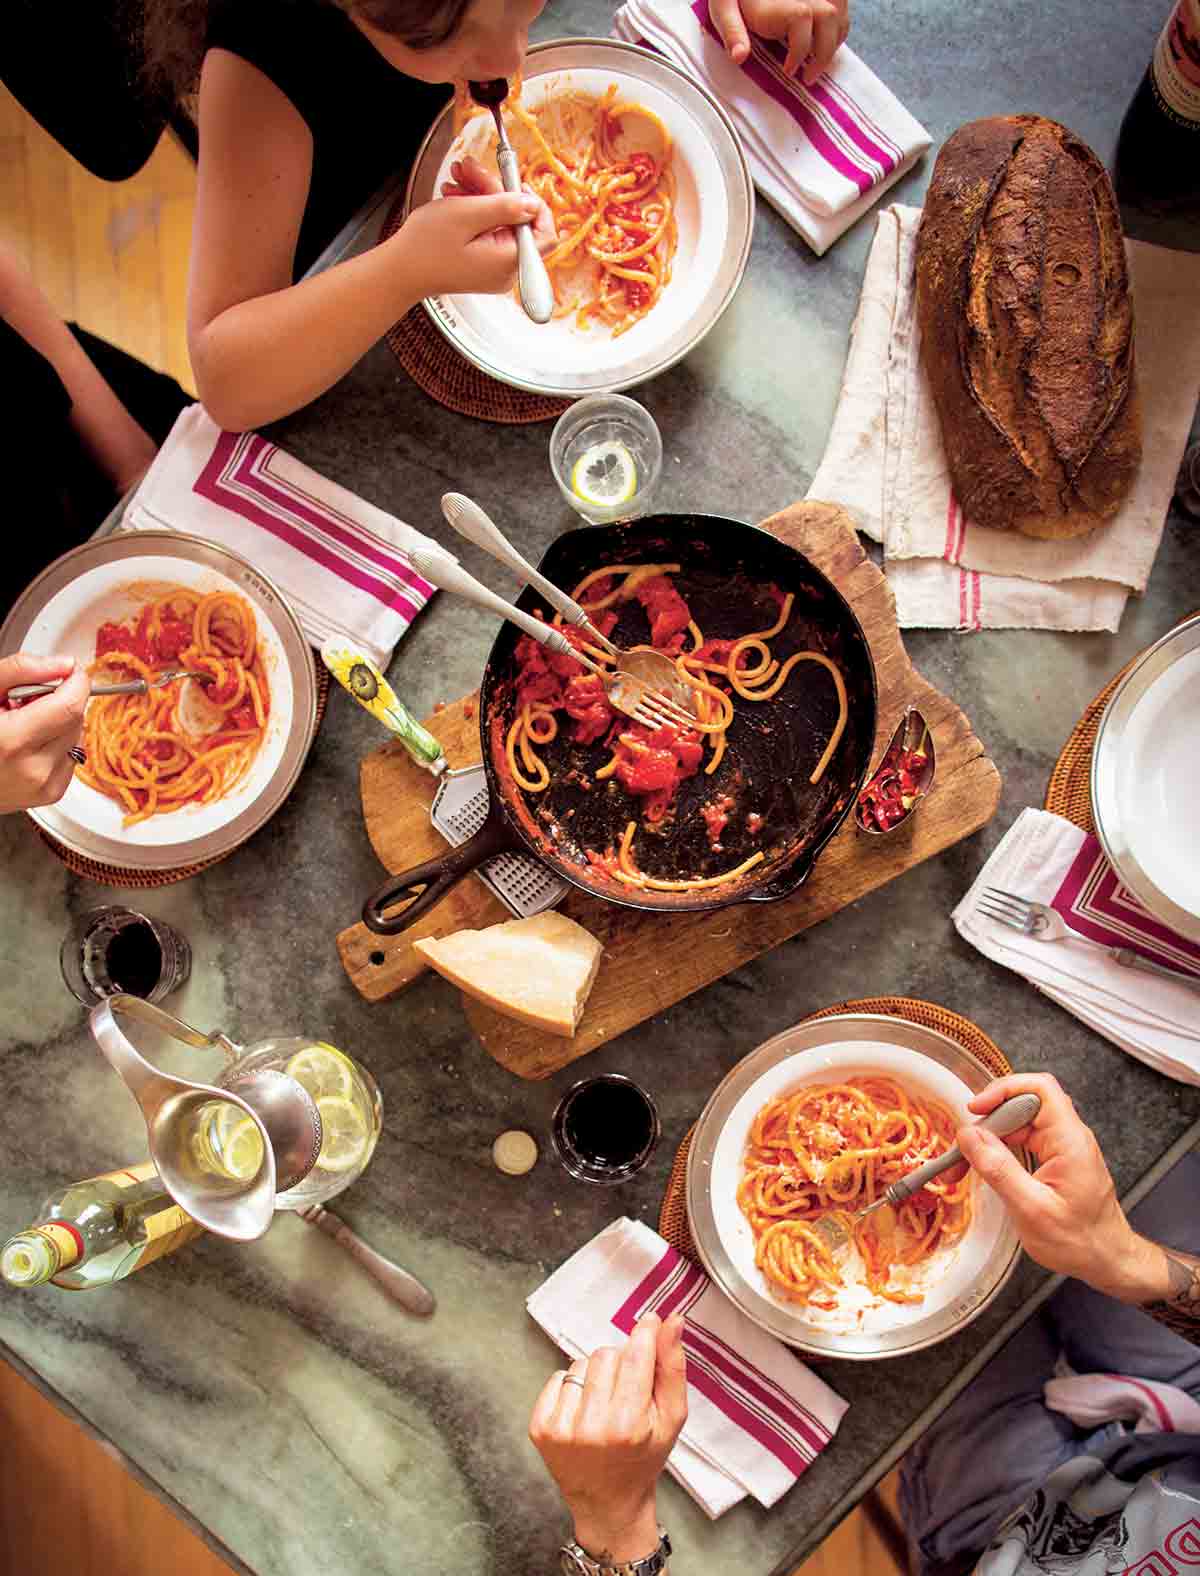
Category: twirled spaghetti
[650,764]
[138,749]
[832,1149]
[613,204]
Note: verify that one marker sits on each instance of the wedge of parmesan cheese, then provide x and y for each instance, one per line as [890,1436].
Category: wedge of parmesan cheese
[539,971]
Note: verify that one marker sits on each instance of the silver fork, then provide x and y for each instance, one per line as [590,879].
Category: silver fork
[126,687]
[1041,923]
[627,693]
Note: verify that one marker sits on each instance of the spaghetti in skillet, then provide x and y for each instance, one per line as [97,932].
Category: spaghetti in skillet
[138,750]
[832,1149]
[650,764]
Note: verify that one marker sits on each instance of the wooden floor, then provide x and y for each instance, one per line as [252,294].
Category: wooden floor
[114,258]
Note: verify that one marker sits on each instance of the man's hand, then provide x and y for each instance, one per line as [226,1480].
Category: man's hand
[813,30]
[34,739]
[1067,1213]
[605,1441]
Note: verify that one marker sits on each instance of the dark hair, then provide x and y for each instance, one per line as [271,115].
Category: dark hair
[173,31]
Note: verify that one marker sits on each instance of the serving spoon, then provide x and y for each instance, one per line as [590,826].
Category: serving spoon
[537,293]
[648,666]
[1008,1117]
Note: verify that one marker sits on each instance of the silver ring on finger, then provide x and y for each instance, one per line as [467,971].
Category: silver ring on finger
[571,1379]
[78,755]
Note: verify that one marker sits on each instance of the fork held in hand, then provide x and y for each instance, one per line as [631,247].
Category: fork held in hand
[1041,923]
[127,687]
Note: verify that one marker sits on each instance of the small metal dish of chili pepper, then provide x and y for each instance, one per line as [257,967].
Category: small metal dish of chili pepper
[901,780]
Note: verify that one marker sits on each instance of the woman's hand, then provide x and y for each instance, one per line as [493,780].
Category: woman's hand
[464,243]
[605,1440]
[34,739]
[813,30]
[1067,1213]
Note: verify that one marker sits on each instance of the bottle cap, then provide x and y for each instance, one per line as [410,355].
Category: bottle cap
[515,1153]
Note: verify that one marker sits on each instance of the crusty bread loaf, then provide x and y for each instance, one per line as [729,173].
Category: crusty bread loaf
[538,970]
[1027,328]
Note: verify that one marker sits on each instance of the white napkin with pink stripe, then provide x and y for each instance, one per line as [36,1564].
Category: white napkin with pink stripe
[1045,858]
[1091,1400]
[821,154]
[341,563]
[885,463]
[757,1418]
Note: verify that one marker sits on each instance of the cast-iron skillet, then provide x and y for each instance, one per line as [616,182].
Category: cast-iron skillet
[773,745]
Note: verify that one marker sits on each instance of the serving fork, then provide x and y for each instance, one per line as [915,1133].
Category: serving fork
[126,687]
[401,1285]
[1042,923]
[625,692]
[1010,1116]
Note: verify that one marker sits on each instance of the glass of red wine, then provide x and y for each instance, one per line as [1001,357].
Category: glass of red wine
[112,951]
[605,1129]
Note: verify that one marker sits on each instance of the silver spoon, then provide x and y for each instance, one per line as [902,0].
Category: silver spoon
[537,293]
[1007,1118]
[653,668]
[126,687]
[913,734]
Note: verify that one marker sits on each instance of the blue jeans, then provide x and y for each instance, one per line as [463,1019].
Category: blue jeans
[998,1441]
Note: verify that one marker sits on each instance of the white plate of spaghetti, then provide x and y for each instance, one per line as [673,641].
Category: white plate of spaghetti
[818,1121]
[186,771]
[654,207]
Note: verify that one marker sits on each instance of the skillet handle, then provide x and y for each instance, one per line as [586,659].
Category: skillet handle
[436,876]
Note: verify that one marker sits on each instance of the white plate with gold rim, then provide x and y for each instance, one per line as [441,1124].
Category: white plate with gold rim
[110,579]
[715,211]
[958,1282]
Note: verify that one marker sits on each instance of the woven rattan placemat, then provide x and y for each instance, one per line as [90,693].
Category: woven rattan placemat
[673,1218]
[437,368]
[146,880]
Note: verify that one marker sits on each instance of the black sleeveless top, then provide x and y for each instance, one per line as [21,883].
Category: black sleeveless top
[366,118]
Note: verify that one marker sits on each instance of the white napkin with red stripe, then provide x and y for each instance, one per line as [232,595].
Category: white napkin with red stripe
[885,463]
[821,154]
[1047,859]
[341,563]
[1091,1400]
[757,1418]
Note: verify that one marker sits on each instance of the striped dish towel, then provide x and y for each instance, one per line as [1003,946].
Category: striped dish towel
[757,1418]
[1090,1400]
[1045,858]
[341,563]
[885,463]
[821,154]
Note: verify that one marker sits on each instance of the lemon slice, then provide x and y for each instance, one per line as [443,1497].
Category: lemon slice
[242,1151]
[346,1135]
[605,475]
[322,1069]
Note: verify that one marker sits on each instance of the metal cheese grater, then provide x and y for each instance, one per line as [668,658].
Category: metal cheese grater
[458,810]
[460,805]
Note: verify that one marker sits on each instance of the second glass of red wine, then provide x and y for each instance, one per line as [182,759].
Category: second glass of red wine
[605,1129]
[112,951]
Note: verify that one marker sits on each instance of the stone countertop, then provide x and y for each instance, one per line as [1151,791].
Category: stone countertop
[272,1391]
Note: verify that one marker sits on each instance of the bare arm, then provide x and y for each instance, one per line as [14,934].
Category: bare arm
[1167,1286]
[108,432]
[262,346]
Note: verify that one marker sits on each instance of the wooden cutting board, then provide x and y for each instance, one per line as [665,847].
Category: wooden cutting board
[652,961]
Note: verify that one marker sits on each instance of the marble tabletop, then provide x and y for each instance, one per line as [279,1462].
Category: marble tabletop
[272,1392]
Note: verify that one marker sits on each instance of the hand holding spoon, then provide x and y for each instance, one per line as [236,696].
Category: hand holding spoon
[537,293]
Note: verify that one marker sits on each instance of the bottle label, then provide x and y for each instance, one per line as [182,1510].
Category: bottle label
[165,1231]
[131,1176]
[1175,69]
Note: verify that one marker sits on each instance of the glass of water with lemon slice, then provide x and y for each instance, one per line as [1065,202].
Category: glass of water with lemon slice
[606,455]
[347,1102]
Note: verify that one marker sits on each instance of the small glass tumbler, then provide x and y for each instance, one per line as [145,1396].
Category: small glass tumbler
[605,1129]
[112,950]
[606,455]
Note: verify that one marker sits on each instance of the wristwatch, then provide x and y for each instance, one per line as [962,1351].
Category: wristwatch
[574,1561]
